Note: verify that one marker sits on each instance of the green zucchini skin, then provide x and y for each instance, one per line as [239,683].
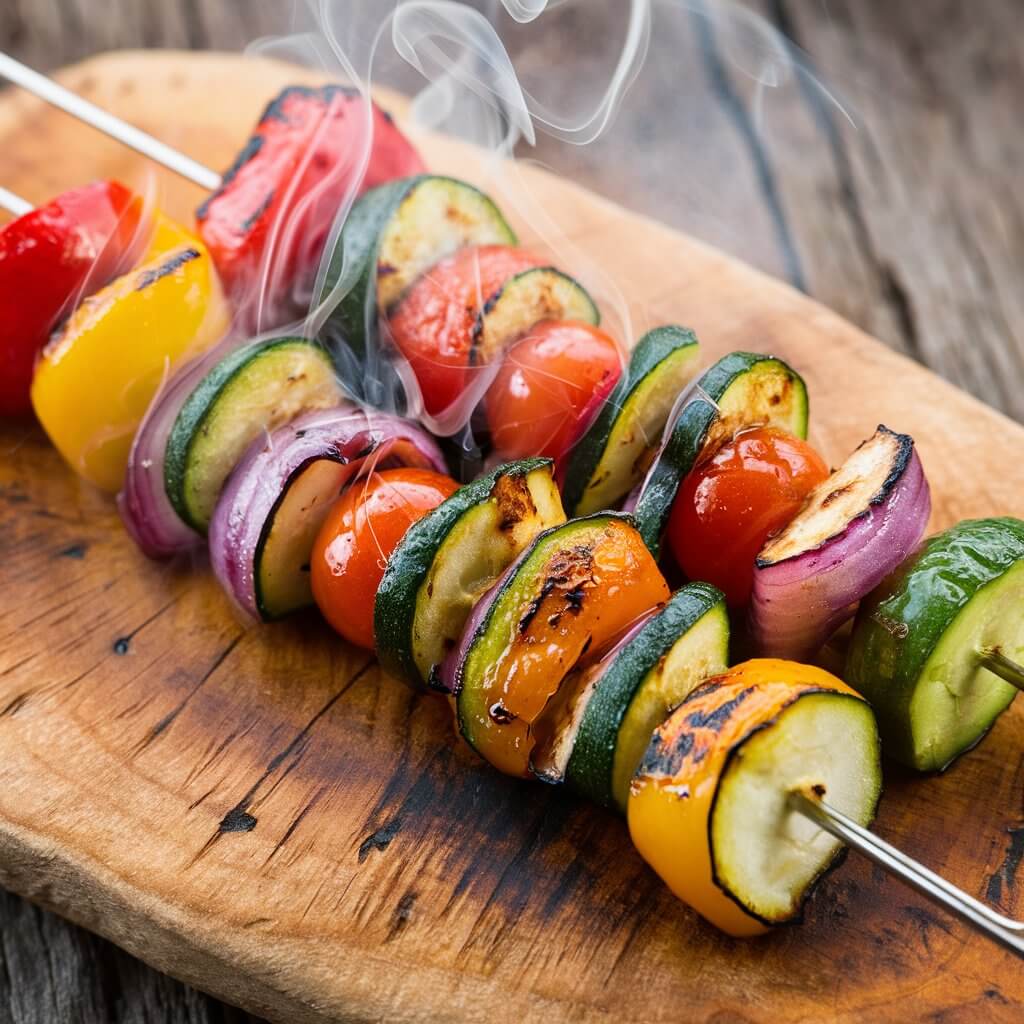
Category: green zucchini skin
[894,652]
[700,420]
[410,564]
[197,409]
[563,533]
[352,325]
[590,766]
[356,250]
[652,352]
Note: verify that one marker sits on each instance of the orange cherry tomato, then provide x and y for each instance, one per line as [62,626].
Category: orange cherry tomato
[550,382]
[730,504]
[432,326]
[357,538]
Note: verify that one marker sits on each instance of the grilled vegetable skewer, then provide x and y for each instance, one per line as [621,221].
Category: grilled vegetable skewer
[266,220]
[853,530]
[937,646]
[50,257]
[740,789]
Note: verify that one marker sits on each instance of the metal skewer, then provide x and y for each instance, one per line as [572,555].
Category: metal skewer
[999,664]
[14,204]
[1002,929]
[48,90]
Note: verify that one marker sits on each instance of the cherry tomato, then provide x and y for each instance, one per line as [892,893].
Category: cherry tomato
[357,538]
[49,259]
[432,326]
[550,384]
[728,506]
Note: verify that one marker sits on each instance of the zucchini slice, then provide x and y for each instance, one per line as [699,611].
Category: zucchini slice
[741,390]
[675,651]
[610,459]
[577,586]
[709,806]
[765,856]
[540,293]
[251,390]
[919,643]
[393,234]
[451,556]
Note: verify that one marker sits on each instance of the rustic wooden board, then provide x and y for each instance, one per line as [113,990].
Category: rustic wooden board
[264,814]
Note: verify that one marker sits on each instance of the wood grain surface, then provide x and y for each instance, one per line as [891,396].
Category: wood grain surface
[263,814]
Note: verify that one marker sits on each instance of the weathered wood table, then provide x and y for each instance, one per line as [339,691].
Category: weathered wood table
[909,224]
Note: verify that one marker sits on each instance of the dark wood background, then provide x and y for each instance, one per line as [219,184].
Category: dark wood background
[908,222]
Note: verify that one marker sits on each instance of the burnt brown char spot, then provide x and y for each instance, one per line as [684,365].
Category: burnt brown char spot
[238,820]
[513,499]
[714,720]
[250,221]
[836,494]
[664,758]
[169,266]
[569,573]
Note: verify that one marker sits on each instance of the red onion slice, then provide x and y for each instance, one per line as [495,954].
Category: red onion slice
[854,529]
[146,511]
[352,439]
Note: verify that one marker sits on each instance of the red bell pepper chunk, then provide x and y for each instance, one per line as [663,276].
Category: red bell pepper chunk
[267,225]
[50,258]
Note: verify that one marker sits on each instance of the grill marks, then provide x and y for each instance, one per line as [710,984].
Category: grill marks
[570,574]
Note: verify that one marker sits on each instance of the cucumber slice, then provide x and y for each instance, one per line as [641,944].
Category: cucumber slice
[610,459]
[764,855]
[450,557]
[540,293]
[393,234]
[917,644]
[674,652]
[741,390]
[253,389]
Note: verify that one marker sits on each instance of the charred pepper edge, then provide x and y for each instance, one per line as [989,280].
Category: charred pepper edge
[485,621]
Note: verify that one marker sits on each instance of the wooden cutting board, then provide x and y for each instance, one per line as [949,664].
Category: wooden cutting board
[264,814]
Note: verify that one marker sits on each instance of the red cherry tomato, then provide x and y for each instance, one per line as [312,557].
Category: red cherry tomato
[432,326]
[549,384]
[728,506]
[49,259]
[357,538]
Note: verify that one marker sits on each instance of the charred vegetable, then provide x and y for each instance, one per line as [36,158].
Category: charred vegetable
[267,225]
[392,235]
[709,806]
[853,530]
[573,591]
[605,725]
[741,390]
[251,390]
[929,643]
[269,513]
[611,457]
[447,560]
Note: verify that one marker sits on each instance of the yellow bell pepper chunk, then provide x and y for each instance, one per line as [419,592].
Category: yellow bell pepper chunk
[97,376]
[672,796]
